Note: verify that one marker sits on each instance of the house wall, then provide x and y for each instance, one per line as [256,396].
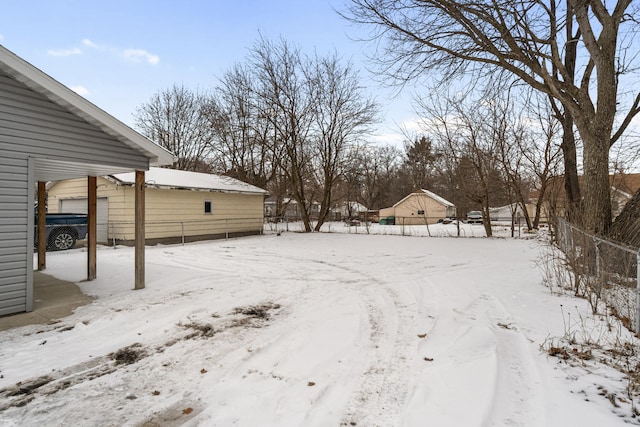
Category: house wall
[170,213]
[408,209]
[385,212]
[33,128]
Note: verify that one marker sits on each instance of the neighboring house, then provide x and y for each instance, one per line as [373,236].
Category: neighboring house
[346,210]
[196,206]
[507,212]
[289,209]
[623,186]
[48,132]
[420,207]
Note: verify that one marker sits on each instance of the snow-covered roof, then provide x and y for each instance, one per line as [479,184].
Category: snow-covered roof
[434,196]
[178,179]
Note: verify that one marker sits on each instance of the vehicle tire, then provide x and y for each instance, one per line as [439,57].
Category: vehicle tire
[61,240]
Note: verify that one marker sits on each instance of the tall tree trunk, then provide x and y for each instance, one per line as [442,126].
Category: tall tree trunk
[595,124]
[597,199]
[571,182]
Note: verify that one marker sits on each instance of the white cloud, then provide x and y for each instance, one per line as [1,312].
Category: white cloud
[80,90]
[64,52]
[138,55]
[89,43]
[133,55]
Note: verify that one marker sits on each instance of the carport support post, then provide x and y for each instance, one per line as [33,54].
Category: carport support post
[139,230]
[92,228]
[42,225]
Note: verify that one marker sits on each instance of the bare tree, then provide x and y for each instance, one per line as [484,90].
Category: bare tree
[285,102]
[525,39]
[342,117]
[541,155]
[374,170]
[465,132]
[318,114]
[512,136]
[174,119]
[243,136]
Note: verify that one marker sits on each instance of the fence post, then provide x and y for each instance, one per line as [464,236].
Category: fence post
[637,322]
[182,228]
[599,274]
[226,228]
[596,243]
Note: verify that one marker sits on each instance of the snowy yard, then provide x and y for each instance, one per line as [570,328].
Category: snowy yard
[309,330]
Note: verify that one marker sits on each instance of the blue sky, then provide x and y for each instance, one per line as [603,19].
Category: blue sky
[119,53]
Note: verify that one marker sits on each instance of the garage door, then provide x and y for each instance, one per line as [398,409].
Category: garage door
[80,206]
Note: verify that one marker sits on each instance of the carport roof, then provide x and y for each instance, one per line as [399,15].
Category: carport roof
[55,91]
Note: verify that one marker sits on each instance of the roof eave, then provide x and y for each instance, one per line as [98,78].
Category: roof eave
[44,84]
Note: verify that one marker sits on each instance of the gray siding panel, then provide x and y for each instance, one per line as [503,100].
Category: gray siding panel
[13,295]
[12,265]
[19,274]
[14,245]
[11,287]
[9,305]
[18,220]
[6,259]
[14,208]
[13,234]
[32,125]
[14,199]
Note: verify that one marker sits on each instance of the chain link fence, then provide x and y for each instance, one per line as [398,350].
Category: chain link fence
[407,226]
[603,271]
[123,232]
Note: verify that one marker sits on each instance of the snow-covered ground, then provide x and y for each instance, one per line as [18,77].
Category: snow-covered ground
[321,329]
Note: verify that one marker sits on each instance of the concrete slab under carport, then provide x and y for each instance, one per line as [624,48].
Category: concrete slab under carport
[53,299]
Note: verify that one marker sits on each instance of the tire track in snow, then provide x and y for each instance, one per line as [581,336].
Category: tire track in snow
[381,392]
[516,397]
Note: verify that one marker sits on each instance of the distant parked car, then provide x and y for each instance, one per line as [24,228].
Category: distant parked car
[474,217]
[63,230]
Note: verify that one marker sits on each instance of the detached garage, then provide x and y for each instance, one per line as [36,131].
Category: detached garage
[180,206]
[419,208]
[50,133]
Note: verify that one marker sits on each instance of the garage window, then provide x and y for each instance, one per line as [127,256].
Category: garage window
[208,207]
